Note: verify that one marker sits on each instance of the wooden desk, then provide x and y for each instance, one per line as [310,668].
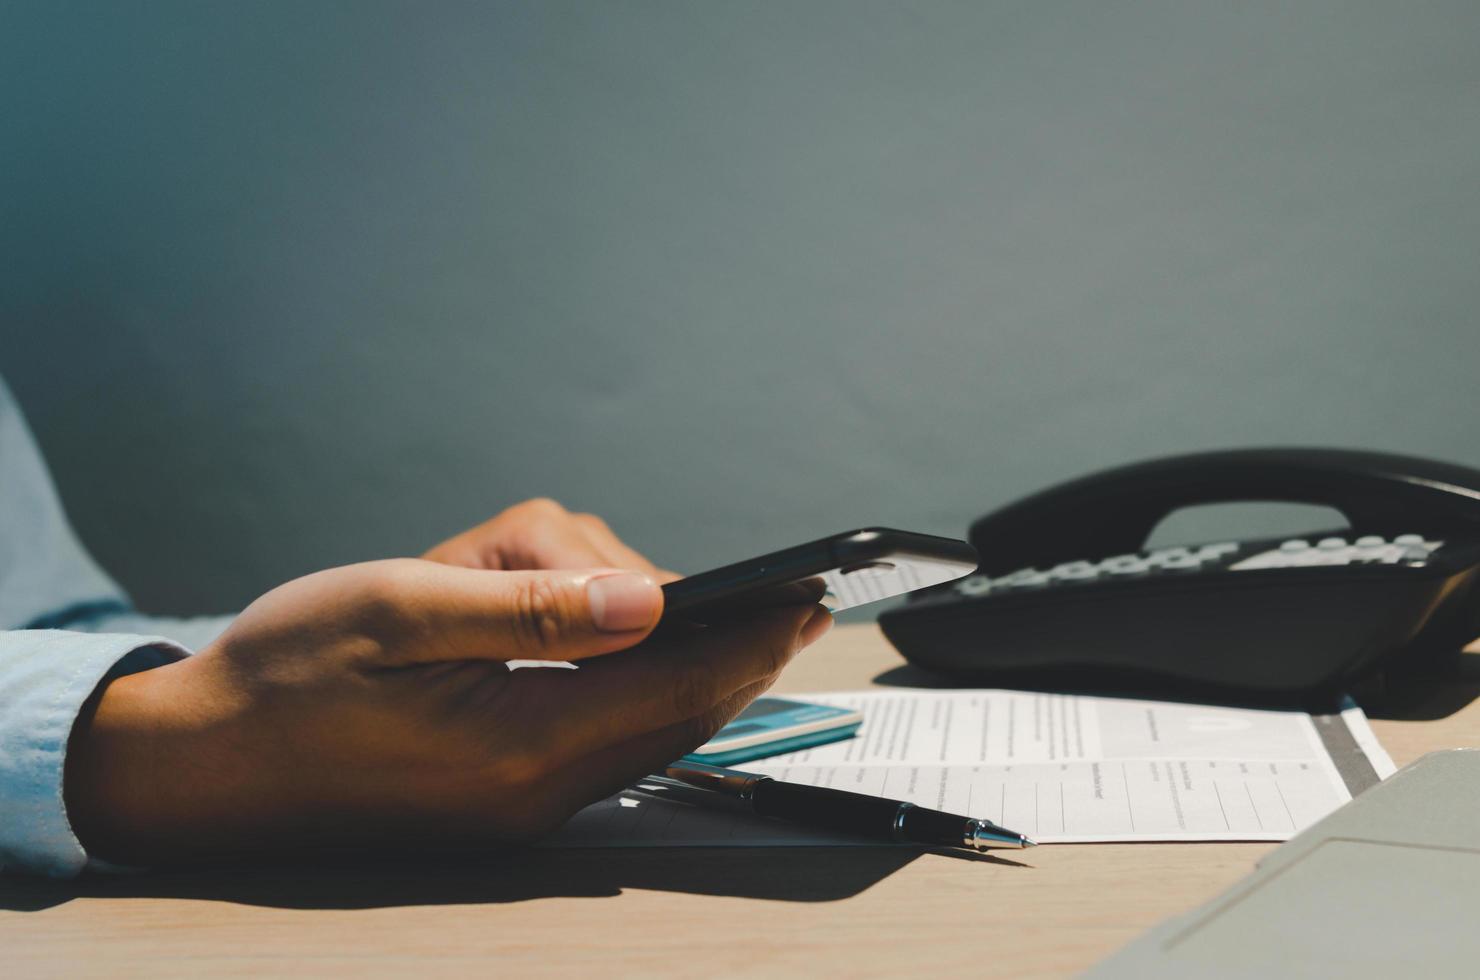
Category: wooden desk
[855,912]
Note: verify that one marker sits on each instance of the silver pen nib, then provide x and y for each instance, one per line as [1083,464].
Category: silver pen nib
[983,834]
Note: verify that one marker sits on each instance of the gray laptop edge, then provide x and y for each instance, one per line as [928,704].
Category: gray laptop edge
[1386,886]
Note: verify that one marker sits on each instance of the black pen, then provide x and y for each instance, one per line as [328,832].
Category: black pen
[830,809]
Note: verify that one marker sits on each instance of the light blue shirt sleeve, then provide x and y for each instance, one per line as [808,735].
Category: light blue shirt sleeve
[67,627]
[45,678]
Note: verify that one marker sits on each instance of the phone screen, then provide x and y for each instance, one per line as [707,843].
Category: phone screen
[869,581]
[841,572]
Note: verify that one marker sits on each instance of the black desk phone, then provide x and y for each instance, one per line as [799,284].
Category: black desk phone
[1068,595]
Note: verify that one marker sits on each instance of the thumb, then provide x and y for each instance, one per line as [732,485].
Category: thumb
[566,614]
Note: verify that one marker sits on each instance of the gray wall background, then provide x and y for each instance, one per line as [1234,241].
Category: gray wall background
[286,285]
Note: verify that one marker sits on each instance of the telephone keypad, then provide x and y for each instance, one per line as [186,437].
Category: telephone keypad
[1369,549]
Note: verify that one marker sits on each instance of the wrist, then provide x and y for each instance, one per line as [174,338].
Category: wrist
[121,782]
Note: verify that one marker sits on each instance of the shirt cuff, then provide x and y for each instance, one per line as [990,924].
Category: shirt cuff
[46,676]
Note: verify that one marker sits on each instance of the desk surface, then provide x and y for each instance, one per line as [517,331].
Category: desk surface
[861,912]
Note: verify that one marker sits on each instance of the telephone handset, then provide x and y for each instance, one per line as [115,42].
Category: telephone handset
[1067,593]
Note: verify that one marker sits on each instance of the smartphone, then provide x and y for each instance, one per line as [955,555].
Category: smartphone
[841,571]
[771,726]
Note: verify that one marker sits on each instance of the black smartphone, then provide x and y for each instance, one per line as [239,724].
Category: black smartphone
[840,571]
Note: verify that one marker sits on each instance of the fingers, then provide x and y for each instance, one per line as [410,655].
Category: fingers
[614,768]
[672,680]
[552,537]
[538,534]
[424,612]
[548,536]
[818,626]
[612,549]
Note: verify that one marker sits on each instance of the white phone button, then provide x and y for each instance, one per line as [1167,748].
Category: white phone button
[1125,565]
[974,585]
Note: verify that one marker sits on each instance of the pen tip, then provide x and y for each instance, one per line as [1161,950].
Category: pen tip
[984,835]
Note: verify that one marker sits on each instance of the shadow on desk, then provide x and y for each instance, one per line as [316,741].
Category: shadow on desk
[1432,694]
[793,874]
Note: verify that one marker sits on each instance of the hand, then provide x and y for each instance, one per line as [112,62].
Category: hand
[371,705]
[542,534]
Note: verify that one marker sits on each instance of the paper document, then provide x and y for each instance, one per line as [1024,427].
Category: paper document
[1057,767]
